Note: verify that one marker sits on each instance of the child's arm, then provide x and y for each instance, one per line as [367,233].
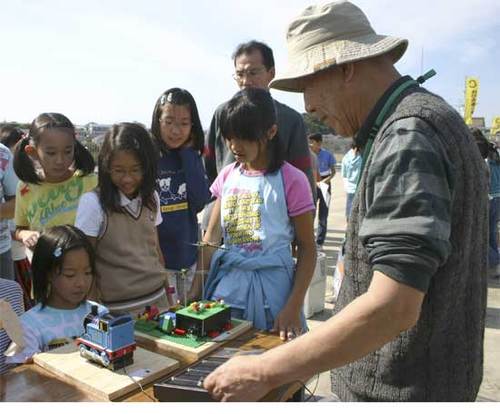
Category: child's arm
[162,261]
[23,233]
[198,193]
[212,236]
[8,207]
[288,322]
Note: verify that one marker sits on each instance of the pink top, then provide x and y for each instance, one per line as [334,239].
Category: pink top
[297,189]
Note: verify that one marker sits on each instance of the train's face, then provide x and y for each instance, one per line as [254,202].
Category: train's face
[111,332]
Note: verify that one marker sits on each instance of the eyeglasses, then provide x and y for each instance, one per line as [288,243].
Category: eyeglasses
[119,173]
[170,123]
[250,73]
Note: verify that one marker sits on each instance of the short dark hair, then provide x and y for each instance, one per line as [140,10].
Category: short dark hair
[315,137]
[487,148]
[45,260]
[248,115]
[178,96]
[23,164]
[133,137]
[10,135]
[252,45]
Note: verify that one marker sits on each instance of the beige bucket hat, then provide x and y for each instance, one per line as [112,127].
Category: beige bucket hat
[331,34]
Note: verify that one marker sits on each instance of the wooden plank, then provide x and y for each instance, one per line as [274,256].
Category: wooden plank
[186,353]
[66,363]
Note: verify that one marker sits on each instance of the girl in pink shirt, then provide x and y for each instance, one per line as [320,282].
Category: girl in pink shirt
[263,204]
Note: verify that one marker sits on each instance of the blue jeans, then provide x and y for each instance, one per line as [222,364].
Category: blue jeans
[322,217]
[493,256]
[348,205]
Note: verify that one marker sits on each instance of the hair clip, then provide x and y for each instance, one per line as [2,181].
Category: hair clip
[166,98]
[57,252]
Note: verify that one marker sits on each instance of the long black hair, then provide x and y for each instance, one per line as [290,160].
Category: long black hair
[23,164]
[48,256]
[249,115]
[132,137]
[178,96]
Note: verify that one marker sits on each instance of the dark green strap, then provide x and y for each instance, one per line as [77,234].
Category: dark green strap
[380,120]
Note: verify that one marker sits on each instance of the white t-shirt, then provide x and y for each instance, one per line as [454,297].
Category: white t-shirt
[90,216]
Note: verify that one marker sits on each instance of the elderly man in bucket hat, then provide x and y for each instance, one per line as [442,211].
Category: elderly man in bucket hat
[409,321]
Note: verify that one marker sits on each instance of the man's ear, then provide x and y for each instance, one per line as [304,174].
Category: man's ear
[31,151]
[271,132]
[272,72]
[348,71]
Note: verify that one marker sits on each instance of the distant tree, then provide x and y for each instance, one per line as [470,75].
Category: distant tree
[19,125]
[93,147]
[314,126]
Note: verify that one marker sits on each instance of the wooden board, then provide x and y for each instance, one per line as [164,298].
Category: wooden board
[186,353]
[67,364]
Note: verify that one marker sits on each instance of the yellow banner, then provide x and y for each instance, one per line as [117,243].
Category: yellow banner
[471,91]
[495,126]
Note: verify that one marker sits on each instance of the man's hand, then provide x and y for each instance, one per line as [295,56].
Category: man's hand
[242,378]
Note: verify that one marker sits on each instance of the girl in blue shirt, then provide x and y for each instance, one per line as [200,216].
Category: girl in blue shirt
[181,182]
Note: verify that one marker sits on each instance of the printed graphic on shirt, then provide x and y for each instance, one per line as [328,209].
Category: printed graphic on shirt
[60,199]
[57,343]
[242,219]
[173,194]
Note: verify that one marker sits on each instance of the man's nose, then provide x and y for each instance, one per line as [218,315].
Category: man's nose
[308,104]
[246,81]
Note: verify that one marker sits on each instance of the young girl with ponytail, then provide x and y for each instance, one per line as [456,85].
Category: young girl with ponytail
[54,170]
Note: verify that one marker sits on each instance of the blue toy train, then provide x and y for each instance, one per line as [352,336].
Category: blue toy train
[108,339]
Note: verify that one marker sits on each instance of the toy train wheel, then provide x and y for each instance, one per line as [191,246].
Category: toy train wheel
[83,350]
[104,359]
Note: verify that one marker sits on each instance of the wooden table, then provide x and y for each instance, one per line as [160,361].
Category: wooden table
[31,383]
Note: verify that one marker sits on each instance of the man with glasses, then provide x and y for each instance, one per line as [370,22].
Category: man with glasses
[254,68]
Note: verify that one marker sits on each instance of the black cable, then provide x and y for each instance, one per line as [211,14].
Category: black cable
[311,394]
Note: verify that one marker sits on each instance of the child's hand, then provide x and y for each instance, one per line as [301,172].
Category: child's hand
[288,323]
[29,238]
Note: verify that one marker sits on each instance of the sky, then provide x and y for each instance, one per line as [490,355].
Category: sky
[108,61]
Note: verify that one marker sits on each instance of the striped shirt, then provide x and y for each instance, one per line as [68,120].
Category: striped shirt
[406,230]
[410,184]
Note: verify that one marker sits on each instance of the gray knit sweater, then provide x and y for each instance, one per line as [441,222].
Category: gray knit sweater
[420,216]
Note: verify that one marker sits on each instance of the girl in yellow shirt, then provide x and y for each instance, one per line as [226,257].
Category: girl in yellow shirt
[54,169]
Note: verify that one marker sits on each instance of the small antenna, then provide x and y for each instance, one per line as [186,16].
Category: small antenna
[422,59]
[203,272]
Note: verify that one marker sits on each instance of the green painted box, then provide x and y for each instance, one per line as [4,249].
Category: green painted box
[204,321]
